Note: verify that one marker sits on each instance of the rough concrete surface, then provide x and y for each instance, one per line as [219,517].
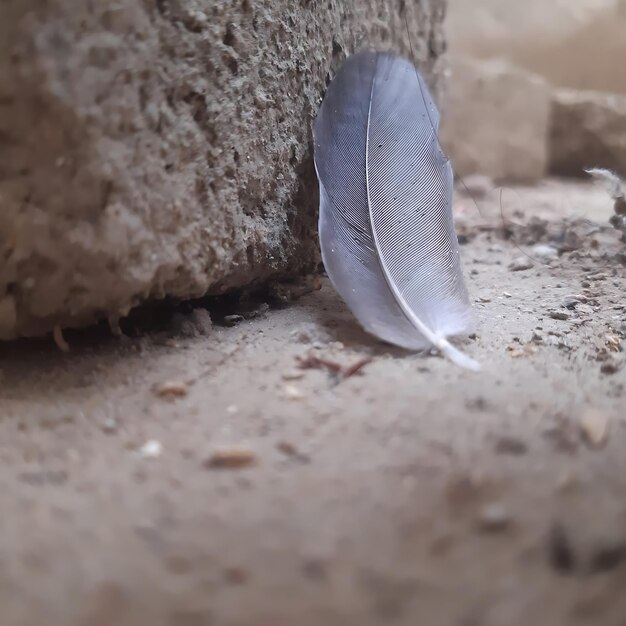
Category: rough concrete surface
[239,478]
[496,121]
[587,129]
[162,148]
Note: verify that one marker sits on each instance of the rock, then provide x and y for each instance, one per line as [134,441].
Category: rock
[152,149]
[544,251]
[559,315]
[495,121]
[231,458]
[599,140]
[494,517]
[594,427]
[520,264]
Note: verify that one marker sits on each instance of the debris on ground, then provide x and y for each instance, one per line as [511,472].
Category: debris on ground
[233,320]
[511,445]
[292,375]
[291,392]
[231,458]
[564,434]
[172,389]
[555,314]
[195,324]
[521,264]
[517,351]
[494,517]
[290,450]
[59,340]
[616,188]
[560,550]
[151,449]
[312,361]
[285,292]
[594,428]
[110,426]
[544,251]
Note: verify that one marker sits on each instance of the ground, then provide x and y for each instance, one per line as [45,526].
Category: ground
[201,476]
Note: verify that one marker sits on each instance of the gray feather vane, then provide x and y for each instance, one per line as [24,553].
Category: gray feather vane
[386,230]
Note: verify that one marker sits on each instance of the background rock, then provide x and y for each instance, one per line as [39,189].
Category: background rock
[587,129]
[578,44]
[495,121]
[152,149]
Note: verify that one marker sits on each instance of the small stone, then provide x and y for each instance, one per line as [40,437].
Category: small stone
[293,375]
[559,315]
[506,294]
[613,343]
[233,320]
[172,389]
[290,450]
[511,445]
[494,517]
[610,366]
[544,251]
[259,311]
[231,458]
[560,550]
[59,339]
[151,449]
[201,319]
[110,425]
[570,302]
[594,426]
[521,264]
[293,393]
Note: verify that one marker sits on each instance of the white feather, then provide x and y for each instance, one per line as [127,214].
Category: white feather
[385,225]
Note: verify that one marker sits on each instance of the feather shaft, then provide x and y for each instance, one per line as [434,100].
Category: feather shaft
[383,175]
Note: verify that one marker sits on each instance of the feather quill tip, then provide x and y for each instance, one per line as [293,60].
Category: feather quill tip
[456,356]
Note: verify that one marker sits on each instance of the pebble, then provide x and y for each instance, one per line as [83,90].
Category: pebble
[511,445]
[520,264]
[293,375]
[201,318]
[545,251]
[559,315]
[110,426]
[233,320]
[151,449]
[172,389]
[494,518]
[594,427]
[570,302]
[293,393]
[610,367]
[231,458]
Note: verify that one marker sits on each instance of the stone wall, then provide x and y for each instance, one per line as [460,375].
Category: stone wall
[163,147]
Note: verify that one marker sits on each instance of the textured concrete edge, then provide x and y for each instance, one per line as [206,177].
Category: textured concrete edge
[100,281]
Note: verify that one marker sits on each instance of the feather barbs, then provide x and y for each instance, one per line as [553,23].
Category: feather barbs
[386,230]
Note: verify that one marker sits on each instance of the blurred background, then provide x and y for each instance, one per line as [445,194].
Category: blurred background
[536,88]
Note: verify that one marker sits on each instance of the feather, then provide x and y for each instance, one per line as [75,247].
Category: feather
[385,224]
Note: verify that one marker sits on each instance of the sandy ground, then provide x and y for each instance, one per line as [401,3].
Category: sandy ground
[410,492]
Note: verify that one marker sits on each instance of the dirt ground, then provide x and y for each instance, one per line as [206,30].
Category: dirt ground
[261,492]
